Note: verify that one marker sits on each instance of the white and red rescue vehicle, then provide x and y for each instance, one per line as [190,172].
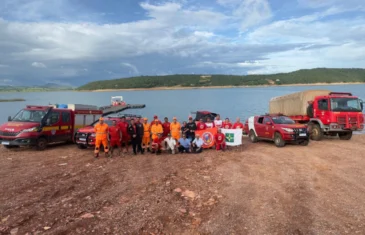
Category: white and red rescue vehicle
[41,125]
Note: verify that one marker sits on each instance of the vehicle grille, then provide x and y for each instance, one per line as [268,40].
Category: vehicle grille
[5,133]
[81,135]
[299,130]
[342,120]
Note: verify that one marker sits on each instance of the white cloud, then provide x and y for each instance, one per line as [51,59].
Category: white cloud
[204,34]
[132,67]
[253,12]
[39,65]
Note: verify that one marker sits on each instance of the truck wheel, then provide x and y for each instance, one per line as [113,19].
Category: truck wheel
[279,142]
[345,135]
[253,136]
[317,133]
[41,144]
[81,146]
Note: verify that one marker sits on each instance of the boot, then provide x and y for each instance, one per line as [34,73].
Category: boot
[96,155]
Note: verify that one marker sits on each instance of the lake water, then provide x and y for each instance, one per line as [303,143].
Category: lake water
[231,102]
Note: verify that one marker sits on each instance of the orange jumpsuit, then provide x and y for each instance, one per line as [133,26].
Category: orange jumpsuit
[175,130]
[156,129]
[146,134]
[101,132]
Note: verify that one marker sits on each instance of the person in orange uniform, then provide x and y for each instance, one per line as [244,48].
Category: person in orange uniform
[154,119]
[157,144]
[156,129]
[146,135]
[115,137]
[175,128]
[227,124]
[101,137]
[220,140]
[238,124]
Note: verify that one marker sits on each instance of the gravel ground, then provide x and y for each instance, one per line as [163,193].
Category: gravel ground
[254,189]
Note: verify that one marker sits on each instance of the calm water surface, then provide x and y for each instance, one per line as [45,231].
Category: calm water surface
[232,102]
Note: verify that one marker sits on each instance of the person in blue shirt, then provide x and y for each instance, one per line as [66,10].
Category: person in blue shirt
[184,144]
[198,144]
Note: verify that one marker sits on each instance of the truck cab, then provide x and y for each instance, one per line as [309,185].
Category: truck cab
[336,114]
[277,128]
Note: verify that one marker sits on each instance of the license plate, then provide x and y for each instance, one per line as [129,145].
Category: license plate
[82,139]
[5,143]
[302,134]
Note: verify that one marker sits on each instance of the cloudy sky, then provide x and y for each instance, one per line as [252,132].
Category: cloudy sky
[77,41]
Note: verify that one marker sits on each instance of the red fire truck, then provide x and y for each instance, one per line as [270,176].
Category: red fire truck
[325,112]
[41,125]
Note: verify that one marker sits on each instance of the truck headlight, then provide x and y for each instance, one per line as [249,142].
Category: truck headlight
[30,129]
[289,130]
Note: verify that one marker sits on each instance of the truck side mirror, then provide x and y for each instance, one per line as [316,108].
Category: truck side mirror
[48,122]
[362,104]
[9,119]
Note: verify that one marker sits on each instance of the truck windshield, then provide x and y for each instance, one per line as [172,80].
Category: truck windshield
[29,116]
[346,105]
[282,120]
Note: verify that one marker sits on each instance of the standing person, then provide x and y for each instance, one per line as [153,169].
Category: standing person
[238,124]
[140,134]
[101,137]
[146,135]
[166,127]
[201,125]
[227,124]
[132,131]
[156,129]
[198,144]
[218,122]
[175,129]
[123,125]
[157,144]
[184,144]
[154,119]
[209,123]
[170,143]
[184,128]
[191,129]
[115,138]
[220,140]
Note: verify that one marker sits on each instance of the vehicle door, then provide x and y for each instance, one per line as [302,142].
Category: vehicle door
[322,110]
[66,126]
[53,126]
[269,128]
[260,127]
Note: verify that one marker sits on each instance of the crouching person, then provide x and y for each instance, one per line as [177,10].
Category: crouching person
[197,144]
[170,143]
[184,144]
[220,140]
[157,144]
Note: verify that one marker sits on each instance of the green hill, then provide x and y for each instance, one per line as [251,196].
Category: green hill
[305,76]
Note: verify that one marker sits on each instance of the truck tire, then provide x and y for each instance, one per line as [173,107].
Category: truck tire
[41,144]
[317,133]
[345,135]
[253,136]
[279,142]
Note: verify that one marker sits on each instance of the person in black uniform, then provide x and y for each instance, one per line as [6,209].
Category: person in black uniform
[135,136]
[140,133]
[191,126]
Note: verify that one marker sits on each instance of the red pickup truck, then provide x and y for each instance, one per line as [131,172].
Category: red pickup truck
[85,137]
[278,128]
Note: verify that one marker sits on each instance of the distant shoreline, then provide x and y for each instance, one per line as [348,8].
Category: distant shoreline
[12,100]
[220,87]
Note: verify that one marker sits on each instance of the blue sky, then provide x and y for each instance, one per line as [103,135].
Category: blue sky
[77,41]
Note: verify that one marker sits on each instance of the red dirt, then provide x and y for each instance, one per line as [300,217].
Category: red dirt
[259,189]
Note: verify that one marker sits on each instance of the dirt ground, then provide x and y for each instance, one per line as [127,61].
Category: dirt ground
[256,189]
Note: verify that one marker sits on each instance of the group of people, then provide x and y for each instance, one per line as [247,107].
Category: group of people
[156,136]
